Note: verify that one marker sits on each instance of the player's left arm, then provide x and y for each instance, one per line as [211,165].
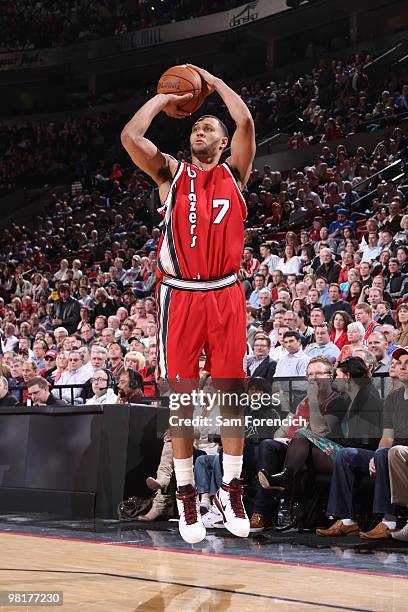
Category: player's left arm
[243,145]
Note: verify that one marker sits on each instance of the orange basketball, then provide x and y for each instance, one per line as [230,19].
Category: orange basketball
[181,80]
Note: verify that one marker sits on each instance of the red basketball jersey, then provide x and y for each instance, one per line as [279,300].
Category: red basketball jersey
[203,230]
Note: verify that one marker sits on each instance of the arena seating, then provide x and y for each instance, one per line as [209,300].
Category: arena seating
[96,241]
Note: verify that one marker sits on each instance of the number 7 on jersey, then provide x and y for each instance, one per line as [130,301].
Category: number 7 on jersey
[224,205]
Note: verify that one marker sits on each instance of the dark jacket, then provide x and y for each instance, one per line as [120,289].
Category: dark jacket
[8,400]
[55,401]
[363,422]
[395,283]
[107,309]
[69,313]
[330,309]
[330,271]
[266,369]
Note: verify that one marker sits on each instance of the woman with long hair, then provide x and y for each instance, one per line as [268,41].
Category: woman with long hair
[338,328]
[62,365]
[382,268]
[401,337]
[348,236]
[291,238]
[307,255]
[299,304]
[289,263]
[354,293]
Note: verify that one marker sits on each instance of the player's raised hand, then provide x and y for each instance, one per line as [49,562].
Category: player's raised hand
[173,104]
[209,79]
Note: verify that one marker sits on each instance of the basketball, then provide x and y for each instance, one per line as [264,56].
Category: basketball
[182,80]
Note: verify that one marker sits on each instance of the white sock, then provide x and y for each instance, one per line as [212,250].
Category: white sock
[390,524]
[348,522]
[232,467]
[183,469]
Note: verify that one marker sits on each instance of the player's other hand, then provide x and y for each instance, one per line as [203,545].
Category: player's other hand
[209,79]
[173,103]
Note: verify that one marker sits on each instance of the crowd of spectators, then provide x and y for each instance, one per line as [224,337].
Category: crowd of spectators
[324,270]
[330,103]
[32,24]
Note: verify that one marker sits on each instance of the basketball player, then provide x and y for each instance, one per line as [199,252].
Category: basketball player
[201,304]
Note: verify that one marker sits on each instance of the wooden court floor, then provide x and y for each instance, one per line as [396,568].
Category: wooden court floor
[116,578]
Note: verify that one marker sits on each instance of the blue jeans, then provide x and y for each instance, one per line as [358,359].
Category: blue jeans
[207,474]
[349,462]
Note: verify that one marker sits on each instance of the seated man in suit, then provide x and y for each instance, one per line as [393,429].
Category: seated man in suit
[39,392]
[260,364]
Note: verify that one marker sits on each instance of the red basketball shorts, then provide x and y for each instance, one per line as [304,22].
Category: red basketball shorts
[193,321]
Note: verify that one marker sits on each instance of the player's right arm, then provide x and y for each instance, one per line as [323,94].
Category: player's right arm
[159,166]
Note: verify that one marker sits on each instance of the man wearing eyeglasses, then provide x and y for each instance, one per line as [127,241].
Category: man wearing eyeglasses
[260,364]
[39,392]
[75,375]
[103,393]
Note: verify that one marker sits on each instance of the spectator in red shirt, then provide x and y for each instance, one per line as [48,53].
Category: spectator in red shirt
[250,264]
[338,328]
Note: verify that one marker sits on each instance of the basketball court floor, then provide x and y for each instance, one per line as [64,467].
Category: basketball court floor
[112,566]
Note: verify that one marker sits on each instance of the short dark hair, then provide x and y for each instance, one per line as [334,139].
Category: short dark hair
[292,334]
[222,125]
[319,308]
[257,383]
[38,380]
[356,368]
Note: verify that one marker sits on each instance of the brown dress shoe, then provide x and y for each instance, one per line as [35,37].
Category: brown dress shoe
[338,529]
[380,532]
[257,523]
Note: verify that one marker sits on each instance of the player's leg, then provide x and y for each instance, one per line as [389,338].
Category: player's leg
[180,345]
[227,345]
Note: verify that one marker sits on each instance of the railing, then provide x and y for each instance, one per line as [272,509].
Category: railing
[74,399]
[378,174]
[295,391]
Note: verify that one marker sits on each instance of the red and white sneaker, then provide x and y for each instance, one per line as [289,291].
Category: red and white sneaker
[191,525]
[228,500]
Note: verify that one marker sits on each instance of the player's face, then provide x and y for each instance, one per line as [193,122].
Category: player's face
[207,138]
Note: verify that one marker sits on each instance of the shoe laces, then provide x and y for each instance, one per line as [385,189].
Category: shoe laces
[189,509]
[235,495]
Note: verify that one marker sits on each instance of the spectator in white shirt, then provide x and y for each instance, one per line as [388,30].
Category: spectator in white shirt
[364,173]
[276,353]
[372,250]
[10,340]
[76,269]
[292,365]
[75,375]
[102,382]
[62,273]
[151,330]
[289,263]
[268,259]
